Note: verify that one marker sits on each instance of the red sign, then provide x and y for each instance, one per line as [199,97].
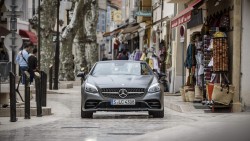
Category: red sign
[180,20]
[185,15]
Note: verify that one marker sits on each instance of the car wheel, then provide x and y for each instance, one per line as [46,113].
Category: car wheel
[85,114]
[157,114]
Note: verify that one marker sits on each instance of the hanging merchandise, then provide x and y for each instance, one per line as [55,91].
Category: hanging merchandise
[143,57]
[190,59]
[151,63]
[205,29]
[208,54]
[225,21]
[137,55]
[116,43]
[220,54]
[169,56]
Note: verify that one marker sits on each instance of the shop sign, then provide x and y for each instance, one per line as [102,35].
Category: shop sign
[181,20]
[117,16]
[144,13]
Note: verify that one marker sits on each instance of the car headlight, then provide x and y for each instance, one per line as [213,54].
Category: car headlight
[90,88]
[154,88]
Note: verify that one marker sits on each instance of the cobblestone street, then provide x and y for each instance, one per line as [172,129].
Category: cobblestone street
[66,124]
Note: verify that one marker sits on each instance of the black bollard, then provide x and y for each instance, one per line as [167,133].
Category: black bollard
[38,94]
[44,88]
[0,81]
[50,76]
[12,98]
[27,95]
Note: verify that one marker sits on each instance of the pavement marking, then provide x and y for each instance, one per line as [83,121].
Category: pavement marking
[80,127]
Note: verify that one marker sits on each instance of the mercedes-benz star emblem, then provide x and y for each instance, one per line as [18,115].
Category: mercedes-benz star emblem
[123,93]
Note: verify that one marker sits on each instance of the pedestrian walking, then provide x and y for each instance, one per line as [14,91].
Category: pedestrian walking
[32,63]
[22,60]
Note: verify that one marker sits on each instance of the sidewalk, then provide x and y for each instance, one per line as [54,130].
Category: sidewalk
[174,102]
[64,87]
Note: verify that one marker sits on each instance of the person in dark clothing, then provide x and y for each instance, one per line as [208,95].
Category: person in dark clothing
[32,63]
[124,55]
[104,58]
[3,56]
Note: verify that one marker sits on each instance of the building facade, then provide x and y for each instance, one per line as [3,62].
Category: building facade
[201,18]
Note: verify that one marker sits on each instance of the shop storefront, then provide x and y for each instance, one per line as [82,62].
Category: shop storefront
[209,53]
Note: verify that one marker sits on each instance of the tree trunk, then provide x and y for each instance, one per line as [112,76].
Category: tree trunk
[83,23]
[90,23]
[48,20]
[85,10]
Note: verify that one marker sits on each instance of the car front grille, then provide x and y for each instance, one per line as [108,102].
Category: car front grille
[130,92]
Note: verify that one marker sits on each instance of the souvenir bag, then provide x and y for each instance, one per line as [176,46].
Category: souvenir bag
[223,93]
[209,88]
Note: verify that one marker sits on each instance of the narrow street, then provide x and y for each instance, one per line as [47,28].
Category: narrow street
[66,124]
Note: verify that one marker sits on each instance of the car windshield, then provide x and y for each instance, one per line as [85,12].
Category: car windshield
[121,68]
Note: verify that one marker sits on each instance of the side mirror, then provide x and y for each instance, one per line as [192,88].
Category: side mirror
[81,74]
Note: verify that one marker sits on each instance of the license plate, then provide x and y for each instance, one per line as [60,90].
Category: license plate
[123,102]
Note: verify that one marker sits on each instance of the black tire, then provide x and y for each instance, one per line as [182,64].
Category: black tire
[85,114]
[157,114]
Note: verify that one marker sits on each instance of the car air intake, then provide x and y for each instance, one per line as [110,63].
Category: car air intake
[155,104]
[91,104]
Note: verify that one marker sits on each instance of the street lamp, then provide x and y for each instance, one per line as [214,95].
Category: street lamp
[57,53]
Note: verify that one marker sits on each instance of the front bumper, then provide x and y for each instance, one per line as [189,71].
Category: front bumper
[97,102]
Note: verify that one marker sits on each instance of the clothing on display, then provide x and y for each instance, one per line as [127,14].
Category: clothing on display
[190,59]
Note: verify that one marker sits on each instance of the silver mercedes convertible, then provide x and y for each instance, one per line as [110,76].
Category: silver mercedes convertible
[121,85]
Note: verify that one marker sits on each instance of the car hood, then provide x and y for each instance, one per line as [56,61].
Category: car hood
[113,81]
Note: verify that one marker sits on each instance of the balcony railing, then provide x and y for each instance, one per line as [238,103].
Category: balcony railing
[145,11]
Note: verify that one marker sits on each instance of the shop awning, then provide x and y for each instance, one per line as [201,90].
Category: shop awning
[106,34]
[130,29]
[185,15]
[114,32]
[28,34]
